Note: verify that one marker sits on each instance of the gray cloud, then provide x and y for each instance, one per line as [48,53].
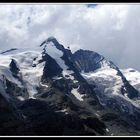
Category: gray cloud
[111,30]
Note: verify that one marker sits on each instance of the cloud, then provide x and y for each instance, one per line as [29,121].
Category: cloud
[111,30]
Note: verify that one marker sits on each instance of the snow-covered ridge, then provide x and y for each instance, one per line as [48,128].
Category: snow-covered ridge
[57,54]
[133,76]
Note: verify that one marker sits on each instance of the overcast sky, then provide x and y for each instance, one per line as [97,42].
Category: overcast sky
[111,30]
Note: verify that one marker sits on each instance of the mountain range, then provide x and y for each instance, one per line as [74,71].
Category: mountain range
[56,92]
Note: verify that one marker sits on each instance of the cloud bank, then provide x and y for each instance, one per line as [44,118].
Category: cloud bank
[111,30]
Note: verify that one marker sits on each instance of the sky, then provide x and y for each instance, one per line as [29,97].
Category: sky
[111,30]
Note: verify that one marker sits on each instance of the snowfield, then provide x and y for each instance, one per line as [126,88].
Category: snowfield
[133,76]
[107,77]
[75,92]
[109,83]
[30,75]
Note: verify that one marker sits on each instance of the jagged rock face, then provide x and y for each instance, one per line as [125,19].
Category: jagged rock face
[88,61]
[51,68]
[14,68]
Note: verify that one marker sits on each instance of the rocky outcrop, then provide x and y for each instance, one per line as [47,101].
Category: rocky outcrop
[14,68]
[87,60]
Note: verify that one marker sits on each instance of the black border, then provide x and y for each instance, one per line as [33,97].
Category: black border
[71,1]
[68,2]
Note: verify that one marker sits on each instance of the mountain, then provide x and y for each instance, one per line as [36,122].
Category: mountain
[67,93]
[91,64]
[114,90]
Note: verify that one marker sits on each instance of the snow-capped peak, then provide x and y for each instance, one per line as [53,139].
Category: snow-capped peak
[57,55]
[54,41]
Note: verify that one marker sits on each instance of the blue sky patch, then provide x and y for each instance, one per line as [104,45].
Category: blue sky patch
[91,5]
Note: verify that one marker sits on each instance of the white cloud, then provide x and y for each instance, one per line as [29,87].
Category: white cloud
[111,30]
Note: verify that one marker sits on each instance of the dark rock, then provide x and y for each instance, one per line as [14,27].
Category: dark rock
[51,68]
[14,68]
[8,50]
[87,60]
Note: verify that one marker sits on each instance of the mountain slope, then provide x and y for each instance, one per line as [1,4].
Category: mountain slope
[113,90]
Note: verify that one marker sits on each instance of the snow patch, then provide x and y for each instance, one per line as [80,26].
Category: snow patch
[75,92]
[63,111]
[57,78]
[97,114]
[126,95]
[107,130]
[112,134]
[44,85]
[75,81]
[20,98]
